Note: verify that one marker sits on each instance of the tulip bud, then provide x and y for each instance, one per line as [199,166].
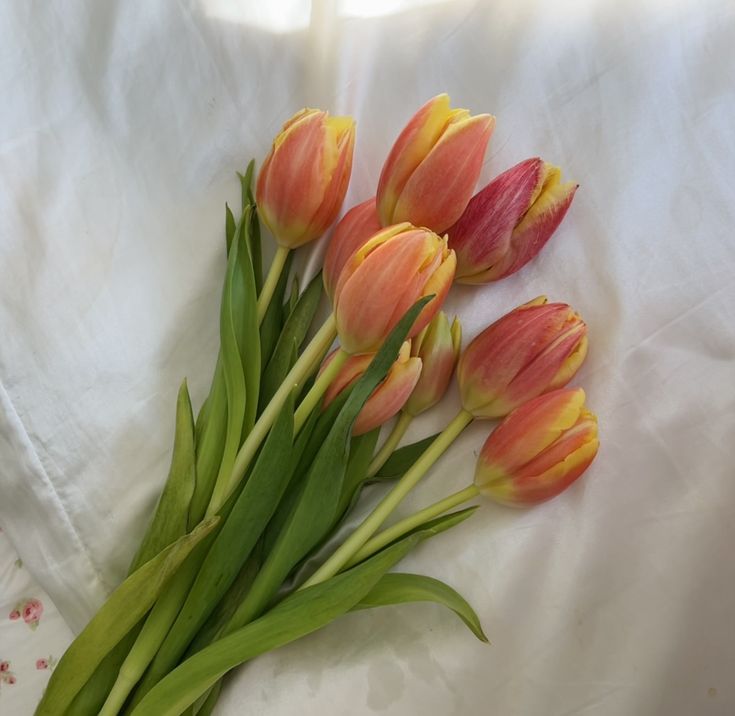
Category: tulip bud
[351,232]
[388,398]
[384,278]
[538,450]
[304,178]
[433,167]
[438,347]
[507,223]
[535,348]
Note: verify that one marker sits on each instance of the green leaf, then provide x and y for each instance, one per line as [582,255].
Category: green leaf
[403,459]
[235,540]
[171,517]
[316,510]
[256,251]
[210,444]
[361,453]
[293,297]
[300,614]
[230,227]
[272,324]
[293,333]
[117,616]
[398,588]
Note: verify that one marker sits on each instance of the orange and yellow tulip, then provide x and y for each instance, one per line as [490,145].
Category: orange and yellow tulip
[304,178]
[384,278]
[388,398]
[536,348]
[432,169]
[539,450]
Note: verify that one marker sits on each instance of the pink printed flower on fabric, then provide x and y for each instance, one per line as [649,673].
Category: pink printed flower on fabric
[384,278]
[536,348]
[14,615]
[41,664]
[509,221]
[32,611]
[388,398]
[432,169]
[4,666]
[304,178]
[351,233]
[538,450]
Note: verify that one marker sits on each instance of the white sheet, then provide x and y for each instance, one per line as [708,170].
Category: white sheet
[121,129]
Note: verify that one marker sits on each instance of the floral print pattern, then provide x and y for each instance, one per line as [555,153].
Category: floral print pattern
[32,635]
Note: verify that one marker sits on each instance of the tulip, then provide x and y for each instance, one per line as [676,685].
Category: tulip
[538,450]
[432,169]
[304,178]
[384,278]
[534,349]
[388,398]
[351,232]
[533,455]
[507,223]
[438,348]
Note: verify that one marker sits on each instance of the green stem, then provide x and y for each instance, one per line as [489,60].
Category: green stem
[271,281]
[390,444]
[298,373]
[155,628]
[376,518]
[412,522]
[318,389]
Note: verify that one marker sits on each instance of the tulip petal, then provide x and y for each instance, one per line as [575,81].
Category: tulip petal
[438,191]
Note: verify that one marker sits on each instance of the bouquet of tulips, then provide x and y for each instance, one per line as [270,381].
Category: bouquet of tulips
[240,554]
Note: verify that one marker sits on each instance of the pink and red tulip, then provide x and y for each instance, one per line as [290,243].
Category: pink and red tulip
[351,232]
[536,348]
[384,278]
[538,450]
[438,346]
[388,398]
[303,181]
[432,169]
[507,223]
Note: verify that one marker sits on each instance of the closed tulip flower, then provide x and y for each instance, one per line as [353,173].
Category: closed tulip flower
[388,398]
[384,278]
[508,222]
[351,232]
[432,169]
[304,178]
[538,450]
[438,347]
[534,349]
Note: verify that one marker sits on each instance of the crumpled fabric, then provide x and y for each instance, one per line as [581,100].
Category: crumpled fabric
[123,125]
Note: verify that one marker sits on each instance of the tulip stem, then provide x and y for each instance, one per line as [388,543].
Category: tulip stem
[300,371]
[390,444]
[318,389]
[411,522]
[271,281]
[372,523]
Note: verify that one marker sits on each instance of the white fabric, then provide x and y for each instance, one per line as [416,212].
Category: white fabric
[122,126]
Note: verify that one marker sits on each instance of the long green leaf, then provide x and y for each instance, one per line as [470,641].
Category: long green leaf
[117,616]
[235,540]
[316,510]
[256,249]
[399,588]
[230,227]
[361,453]
[293,333]
[171,518]
[403,459]
[300,614]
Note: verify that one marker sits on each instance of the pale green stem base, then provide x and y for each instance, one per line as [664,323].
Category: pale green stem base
[156,626]
[411,522]
[371,524]
[271,281]
[300,371]
[318,389]
[390,444]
